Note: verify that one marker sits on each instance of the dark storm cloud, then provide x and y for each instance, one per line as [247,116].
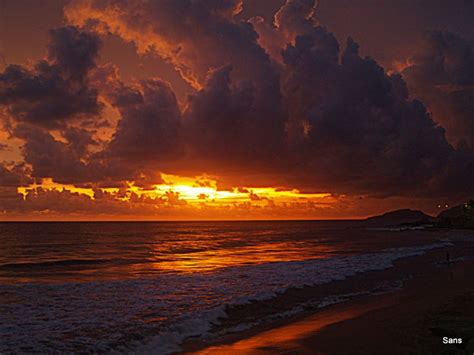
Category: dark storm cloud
[205,39]
[442,75]
[52,158]
[147,133]
[56,89]
[70,162]
[206,27]
[314,118]
[295,17]
[352,127]
[149,128]
[227,122]
[79,139]
[8,178]
[390,30]
[343,124]
[236,113]
[73,51]
[60,202]
[360,130]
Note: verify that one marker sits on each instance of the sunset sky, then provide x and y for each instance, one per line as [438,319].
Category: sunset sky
[231,109]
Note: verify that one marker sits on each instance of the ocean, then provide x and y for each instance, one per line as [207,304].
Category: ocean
[145,287]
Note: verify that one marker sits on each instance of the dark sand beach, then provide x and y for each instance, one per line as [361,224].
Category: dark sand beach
[436,301]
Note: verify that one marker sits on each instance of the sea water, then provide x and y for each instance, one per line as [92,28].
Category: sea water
[146,287]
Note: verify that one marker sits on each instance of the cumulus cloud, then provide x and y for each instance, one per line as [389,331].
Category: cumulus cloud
[351,127]
[318,119]
[42,203]
[50,157]
[232,73]
[442,75]
[213,51]
[275,104]
[205,37]
[8,178]
[149,128]
[70,162]
[295,18]
[54,89]
[362,133]
[226,122]
[390,31]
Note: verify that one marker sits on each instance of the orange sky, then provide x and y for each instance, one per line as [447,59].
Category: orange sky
[198,198]
[215,116]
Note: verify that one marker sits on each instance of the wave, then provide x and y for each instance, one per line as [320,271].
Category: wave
[167,308]
[399,228]
[313,272]
[66,263]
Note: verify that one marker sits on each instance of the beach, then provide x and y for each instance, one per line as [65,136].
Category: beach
[437,302]
[236,177]
[220,287]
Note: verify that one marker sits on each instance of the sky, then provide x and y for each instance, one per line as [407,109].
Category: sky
[234,109]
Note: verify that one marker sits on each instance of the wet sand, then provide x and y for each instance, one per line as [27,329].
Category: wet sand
[438,301]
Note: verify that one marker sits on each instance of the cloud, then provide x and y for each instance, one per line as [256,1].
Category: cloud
[232,74]
[74,52]
[275,104]
[295,17]
[390,30]
[8,178]
[228,122]
[149,128]
[442,75]
[254,197]
[49,157]
[363,133]
[70,161]
[318,119]
[56,204]
[55,89]
[206,27]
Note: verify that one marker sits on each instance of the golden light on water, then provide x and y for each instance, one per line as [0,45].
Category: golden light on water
[208,260]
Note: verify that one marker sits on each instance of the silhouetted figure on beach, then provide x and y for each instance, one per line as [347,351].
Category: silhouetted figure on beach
[448,259]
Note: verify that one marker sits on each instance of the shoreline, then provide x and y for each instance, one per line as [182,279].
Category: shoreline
[322,329]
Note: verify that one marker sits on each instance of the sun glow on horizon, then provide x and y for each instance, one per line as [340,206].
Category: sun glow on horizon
[49,185]
[189,190]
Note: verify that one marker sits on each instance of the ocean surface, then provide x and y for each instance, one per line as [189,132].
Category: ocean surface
[146,287]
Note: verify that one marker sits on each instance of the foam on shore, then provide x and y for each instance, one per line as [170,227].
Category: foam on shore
[292,275]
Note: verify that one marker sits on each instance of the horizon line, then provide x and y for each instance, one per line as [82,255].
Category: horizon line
[179,220]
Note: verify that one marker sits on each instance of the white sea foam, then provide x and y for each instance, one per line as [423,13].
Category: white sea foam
[400,228]
[156,314]
[278,277]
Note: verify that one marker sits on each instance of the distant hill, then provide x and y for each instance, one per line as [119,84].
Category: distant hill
[461,216]
[400,218]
